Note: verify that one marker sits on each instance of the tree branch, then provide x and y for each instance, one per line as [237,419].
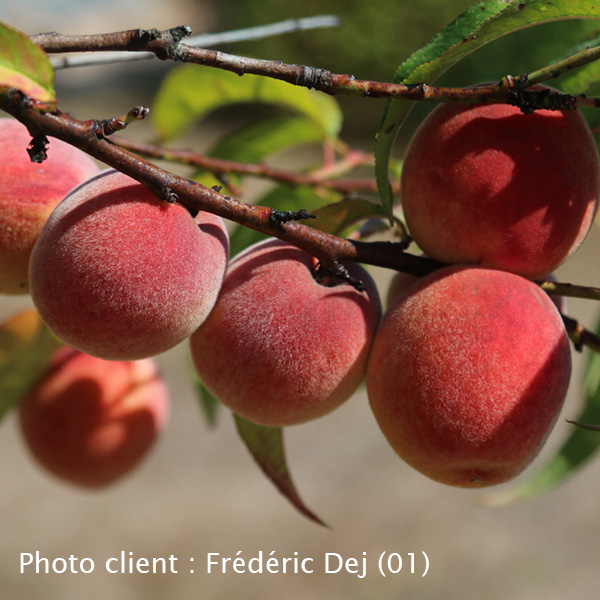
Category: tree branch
[91,137]
[167,45]
[205,40]
[221,167]
[580,336]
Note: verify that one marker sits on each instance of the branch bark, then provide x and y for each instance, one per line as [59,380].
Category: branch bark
[89,137]
[329,249]
[167,45]
[222,167]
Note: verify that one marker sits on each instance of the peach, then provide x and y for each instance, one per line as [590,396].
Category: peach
[279,348]
[90,421]
[119,274]
[29,193]
[468,372]
[492,186]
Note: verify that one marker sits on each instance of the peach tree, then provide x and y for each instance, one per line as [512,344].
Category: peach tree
[126,264]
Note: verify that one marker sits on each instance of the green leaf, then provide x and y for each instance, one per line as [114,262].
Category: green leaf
[282,198]
[480,24]
[25,66]
[258,141]
[335,218]
[579,447]
[190,92]
[26,345]
[585,79]
[265,138]
[208,403]
[266,447]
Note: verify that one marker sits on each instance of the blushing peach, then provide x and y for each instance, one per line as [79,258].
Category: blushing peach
[122,275]
[468,372]
[90,421]
[279,348]
[28,194]
[492,186]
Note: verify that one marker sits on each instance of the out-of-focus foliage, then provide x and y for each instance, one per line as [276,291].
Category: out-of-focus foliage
[24,66]
[481,24]
[375,37]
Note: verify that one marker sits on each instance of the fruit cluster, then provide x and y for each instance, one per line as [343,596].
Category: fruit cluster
[471,364]
[466,371]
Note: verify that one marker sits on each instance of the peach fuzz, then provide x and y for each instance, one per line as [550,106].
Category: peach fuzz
[90,421]
[29,193]
[468,372]
[279,348]
[492,186]
[119,274]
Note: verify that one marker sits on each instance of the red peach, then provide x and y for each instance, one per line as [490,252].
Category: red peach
[122,275]
[279,348]
[29,193]
[492,186]
[91,421]
[468,372]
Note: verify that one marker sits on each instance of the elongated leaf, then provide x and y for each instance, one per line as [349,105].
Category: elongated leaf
[189,93]
[266,447]
[478,25]
[258,141]
[26,346]
[25,66]
[208,403]
[267,137]
[335,218]
[581,445]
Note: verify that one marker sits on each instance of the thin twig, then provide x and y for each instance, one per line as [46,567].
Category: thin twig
[580,336]
[329,249]
[584,425]
[205,40]
[222,167]
[568,289]
[574,61]
[167,45]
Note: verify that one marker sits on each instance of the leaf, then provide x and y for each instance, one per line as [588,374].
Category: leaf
[483,22]
[26,345]
[190,92]
[266,447]
[208,403]
[335,218]
[577,449]
[282,198]
[586,78]
[258,141]
[25,66]
[265,138]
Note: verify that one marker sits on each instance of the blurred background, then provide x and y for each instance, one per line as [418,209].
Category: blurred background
[200,491]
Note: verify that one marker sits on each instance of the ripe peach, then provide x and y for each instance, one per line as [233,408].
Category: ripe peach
[29,193]
[122,275]
[91,421]
[492,186]
[279,348]
[468,372]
